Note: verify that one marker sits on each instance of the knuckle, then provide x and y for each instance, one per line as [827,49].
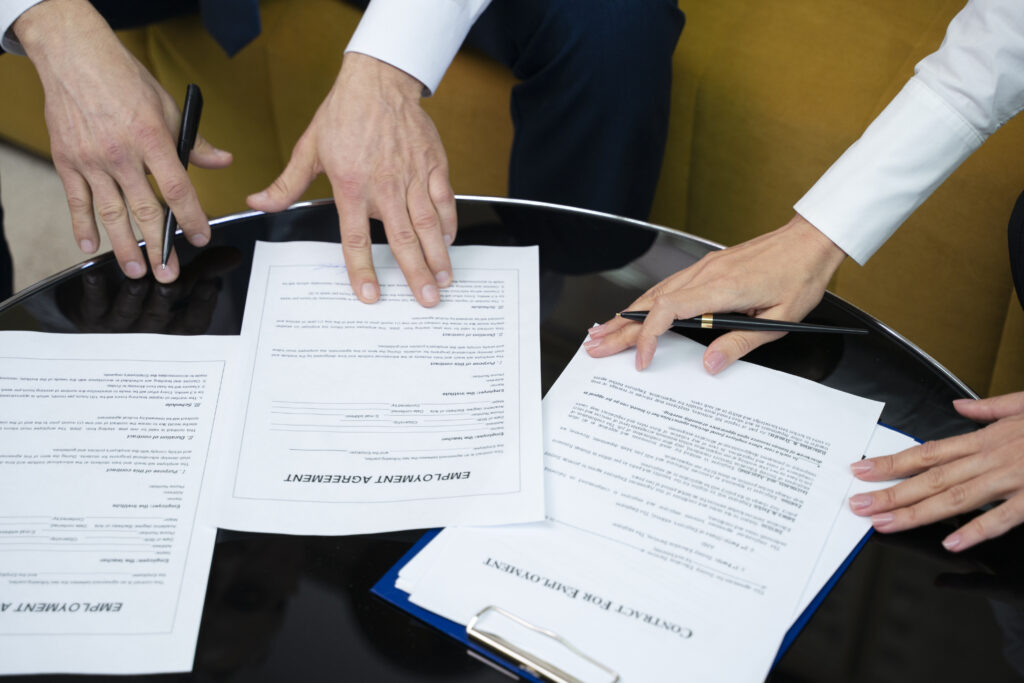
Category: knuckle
[388,184]
[115,154]
[176,189]
[356,239]
[149,135]
[148,212]
[279,187]
[1004,518]
[441,193]
[928,454]
[403,238]
[888,497]
[910,516]
[957,495]
[742,344]
[79,204]
[349,186]
[423,219]
[935,479]
[111,213]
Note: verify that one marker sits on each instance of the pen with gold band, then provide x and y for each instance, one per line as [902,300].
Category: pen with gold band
[726,321]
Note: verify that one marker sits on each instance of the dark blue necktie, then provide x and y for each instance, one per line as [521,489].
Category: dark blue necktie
[232,23]
[1016,235]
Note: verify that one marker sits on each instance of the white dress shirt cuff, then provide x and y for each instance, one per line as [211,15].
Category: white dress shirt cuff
[10,10]
[903,156]
[420,38]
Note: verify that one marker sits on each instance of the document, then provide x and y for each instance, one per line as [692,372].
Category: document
[685,516]
[367,418]
[104,444]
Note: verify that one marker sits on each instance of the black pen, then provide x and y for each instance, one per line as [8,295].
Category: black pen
[726,321]
[186,141]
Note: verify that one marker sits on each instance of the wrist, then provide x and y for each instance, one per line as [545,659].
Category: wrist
[48,25]
[363,71]
[825,251]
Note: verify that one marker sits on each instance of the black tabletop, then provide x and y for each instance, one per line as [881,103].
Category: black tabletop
[287,608]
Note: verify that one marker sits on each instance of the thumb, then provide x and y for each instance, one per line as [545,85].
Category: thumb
[205,155]
[991,409]
[730,347]
[292,182]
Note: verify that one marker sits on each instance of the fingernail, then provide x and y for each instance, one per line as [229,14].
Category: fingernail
[448,239]
[429,294]
[591,343]
[199,240]
[444,278]
[259,196]
[369,291]
[952,542]
[134,269]
[596,330]
[714,361]
[87,246]
[862,467]
[882,519]
[860,501]
[962,402]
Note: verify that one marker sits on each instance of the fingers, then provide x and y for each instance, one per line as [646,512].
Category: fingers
[426,222]
[205,155]
[917,459]
[83,221]
[286,189]
[150,216]
[113,213]
[404,239]
[991,409]
[443,198]
[991,524]
[181,198]
[729,348]
[353,222]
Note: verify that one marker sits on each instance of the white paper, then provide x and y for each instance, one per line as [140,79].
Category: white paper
[686,514]
[849,528]
[104,443]
[367,418]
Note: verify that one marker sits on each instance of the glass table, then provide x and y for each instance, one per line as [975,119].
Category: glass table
[299,609]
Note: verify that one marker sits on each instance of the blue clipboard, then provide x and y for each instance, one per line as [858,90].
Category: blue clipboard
[385,589]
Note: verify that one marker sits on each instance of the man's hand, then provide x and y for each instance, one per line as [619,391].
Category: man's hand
[781,275]
[954,475]
[110,122]
[384,159]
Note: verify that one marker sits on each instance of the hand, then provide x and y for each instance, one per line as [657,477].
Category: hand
[110,121]
[954,475]
[384,159]
[781,275]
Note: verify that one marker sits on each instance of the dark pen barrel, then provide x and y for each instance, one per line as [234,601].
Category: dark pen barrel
[725,321]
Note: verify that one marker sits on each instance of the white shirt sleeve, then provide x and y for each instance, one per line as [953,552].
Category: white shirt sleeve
[10,10]
[958,96]
[420,37]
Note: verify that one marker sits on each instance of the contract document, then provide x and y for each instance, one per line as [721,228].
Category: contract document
[367,418]
[685,516]
[104,443]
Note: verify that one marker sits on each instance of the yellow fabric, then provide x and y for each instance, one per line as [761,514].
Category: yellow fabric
[766,94]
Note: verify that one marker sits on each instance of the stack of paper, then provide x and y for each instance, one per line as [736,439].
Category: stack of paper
[688,518]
